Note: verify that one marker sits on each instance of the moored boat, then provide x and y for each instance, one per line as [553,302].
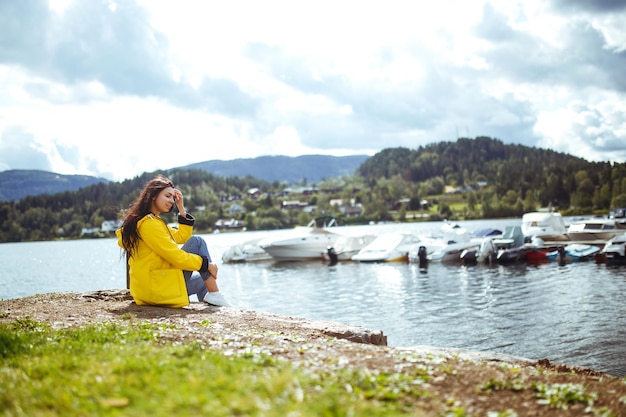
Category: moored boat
[388,247]
[548,226]
[248,251]
[574,252]
[614,252]
[594,229]
[619,216]
[345,247]
[302,243]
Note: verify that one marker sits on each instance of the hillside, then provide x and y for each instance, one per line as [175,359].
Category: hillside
[490,179]
[19,183]
[536,176]
[292,170]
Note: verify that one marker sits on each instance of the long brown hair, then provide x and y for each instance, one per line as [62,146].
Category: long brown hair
[140,208]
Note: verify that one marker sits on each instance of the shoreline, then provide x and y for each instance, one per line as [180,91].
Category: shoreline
[478,382]
[110,305]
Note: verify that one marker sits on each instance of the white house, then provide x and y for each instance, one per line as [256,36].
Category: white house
[110,225]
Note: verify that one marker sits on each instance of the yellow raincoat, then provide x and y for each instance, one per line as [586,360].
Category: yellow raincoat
[156,268]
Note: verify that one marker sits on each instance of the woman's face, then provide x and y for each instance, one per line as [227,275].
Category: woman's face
[164,201]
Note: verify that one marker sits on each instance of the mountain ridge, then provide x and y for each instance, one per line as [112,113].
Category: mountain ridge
[17,184]
[290,169]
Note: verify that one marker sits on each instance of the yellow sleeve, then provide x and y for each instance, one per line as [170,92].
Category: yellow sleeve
[183,233]
[157,236]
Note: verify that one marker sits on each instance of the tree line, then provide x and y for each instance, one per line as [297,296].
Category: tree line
[496,180]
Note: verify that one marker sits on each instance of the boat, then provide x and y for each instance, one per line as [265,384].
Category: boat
[511,247]
[248,251]
[614,252]
[451,252]
[388,247]
[619,216]
[486,250]
[574,252]
[594,229]
[346,247]
[302,243]
[488,232]
[548,226]
[484,253]
[445,247]
[536,255]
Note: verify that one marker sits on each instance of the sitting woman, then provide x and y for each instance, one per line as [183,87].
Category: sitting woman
[162,273]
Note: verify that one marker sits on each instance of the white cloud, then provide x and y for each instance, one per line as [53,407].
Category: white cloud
[118,88]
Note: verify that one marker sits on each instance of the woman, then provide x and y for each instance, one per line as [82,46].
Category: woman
[160,272]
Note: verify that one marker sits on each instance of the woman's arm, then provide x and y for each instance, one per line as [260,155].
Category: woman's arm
[156,235]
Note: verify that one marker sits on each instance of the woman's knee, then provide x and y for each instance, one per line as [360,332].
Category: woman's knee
[193,244]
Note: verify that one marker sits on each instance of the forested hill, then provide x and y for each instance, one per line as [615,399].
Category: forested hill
[551,177]
[497,180]
[19,183]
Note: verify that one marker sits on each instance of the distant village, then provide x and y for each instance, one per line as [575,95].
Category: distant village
[346,208]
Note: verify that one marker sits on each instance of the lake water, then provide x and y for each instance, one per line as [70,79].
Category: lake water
[573,314]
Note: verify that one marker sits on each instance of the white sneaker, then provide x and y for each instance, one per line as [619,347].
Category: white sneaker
[217,299]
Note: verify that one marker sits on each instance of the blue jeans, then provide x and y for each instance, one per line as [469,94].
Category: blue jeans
[194,279]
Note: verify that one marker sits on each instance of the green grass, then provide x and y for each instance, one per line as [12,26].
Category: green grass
[126,369]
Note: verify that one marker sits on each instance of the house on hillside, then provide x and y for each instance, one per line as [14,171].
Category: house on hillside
[229,224]
[235,209]
[254,193]
[350,211]
[293,204]
[110,225]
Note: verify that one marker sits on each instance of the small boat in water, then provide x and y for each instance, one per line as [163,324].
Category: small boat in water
[614,252]
[595,229]
[451,252]
[388,247]
[447,247]
[248,251]
[548,226]
[619,216]
[302,243]
[510,248]
[346,247]
[574,252]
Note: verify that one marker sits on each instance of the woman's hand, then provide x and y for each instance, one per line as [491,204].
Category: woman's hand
[178,198]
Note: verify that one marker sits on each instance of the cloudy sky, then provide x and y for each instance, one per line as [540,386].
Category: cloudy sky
[117,88]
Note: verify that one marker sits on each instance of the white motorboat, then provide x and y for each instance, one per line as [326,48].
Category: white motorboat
[485,253]
[548,226]
[302,243]
[615,250]
[346,247]
[595,229]
[447,248]
[447,252]
[299,245]
[248,251]
[388,247]
[619,215]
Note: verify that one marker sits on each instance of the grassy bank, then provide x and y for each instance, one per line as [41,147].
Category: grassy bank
[112,369]
[100,354]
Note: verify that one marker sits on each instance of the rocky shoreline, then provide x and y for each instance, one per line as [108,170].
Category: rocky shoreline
[457,375]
